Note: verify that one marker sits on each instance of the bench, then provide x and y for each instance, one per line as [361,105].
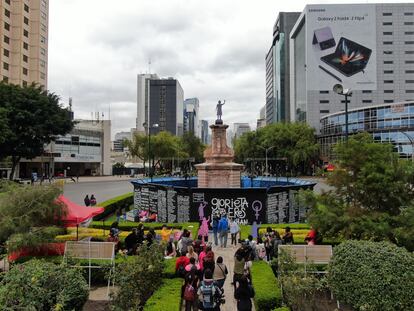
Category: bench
[308,254]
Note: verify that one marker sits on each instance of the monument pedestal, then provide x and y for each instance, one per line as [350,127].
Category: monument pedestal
[219,170]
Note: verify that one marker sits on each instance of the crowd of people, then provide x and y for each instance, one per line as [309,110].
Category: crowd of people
[203,272]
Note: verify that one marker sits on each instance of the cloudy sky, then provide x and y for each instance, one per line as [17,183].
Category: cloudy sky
[215,48]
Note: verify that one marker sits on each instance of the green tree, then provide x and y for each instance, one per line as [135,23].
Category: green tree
[372,189]
[137,279]
[27,215]
[4,126]
[294,142]
[33,118]
[192,146]
[137,146]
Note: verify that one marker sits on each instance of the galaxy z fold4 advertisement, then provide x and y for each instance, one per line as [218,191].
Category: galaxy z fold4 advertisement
[341,41]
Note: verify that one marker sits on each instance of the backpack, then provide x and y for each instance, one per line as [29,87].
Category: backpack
[208,295]
[181,271]
[189,293]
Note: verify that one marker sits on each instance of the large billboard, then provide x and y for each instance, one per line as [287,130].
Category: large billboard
[341,46]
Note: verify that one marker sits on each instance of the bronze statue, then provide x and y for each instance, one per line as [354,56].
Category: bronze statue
[219,109]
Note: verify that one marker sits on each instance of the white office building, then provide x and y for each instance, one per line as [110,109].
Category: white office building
[368,48]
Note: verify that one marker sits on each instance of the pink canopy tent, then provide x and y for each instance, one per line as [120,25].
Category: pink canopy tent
[77,214]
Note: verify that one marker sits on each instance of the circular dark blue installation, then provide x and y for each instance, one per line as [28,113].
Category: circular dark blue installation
[261,200]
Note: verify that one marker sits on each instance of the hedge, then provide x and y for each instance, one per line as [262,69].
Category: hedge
[282,309]
[299,232]
[169,268]
[99,275]
[266,287]
[111,205]
[167,297]
[372,276]
[129,225]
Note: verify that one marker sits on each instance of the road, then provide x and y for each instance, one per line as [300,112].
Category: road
[103,190]
[108,187]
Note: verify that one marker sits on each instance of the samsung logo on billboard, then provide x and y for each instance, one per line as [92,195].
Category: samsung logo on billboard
[317,10]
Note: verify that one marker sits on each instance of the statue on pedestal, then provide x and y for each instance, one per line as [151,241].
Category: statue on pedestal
[219,111]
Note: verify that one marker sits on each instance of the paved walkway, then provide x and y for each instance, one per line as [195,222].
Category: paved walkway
[228,259]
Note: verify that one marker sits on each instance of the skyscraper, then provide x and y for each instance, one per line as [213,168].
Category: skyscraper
[142,100]
[191,123]
[24,41]
[204,131]
[240,129]
[277,69]
[166,106]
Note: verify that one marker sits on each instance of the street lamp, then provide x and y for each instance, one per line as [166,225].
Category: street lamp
[339,89]
[412,145]
[267,150]
[150,167]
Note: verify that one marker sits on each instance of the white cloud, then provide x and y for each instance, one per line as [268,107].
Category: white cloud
[215,48]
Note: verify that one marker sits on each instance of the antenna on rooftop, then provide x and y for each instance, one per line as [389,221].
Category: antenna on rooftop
[149,65]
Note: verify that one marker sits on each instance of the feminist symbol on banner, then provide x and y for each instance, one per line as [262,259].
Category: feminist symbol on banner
[257,207]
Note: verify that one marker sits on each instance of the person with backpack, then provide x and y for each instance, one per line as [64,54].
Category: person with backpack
[208,261]
[243,294]
[189,291]
[220,272]
[223,229]
[180,265]
[207,293]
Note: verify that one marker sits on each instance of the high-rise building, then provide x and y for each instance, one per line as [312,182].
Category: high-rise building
[204,131]
[24,41]
[368,48]
[142,100]
[191,123]
[277,69]
[166,106]
[160,100]
[240,129]
[261,121]
[118,143]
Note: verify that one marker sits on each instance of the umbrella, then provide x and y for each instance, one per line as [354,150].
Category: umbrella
[77,214]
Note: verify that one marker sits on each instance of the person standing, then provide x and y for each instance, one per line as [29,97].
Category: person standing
[288,236]
[223,228]
[239,262]
[220,272]
[93,200]
[234,230]
[215,229]
[207,291]
[244,294]
[87,200]
[189,291]
[118,214]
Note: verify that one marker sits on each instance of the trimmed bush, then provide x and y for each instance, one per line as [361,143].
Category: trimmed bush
[169,268]
[167,297]
[372,276]
[266,286]
[110,206]
[282,309]
[40,285]
[138,279]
